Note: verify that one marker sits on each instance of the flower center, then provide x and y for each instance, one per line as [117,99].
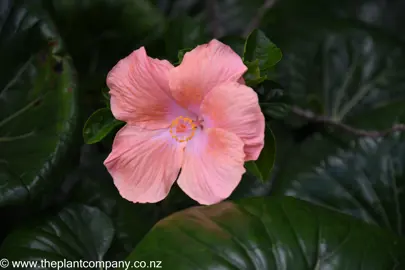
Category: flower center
[183,129]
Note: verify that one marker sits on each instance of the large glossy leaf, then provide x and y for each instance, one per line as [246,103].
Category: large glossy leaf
[346,69]
[76,233]
[365,180]
[353,74]
[269,233]
[38,104]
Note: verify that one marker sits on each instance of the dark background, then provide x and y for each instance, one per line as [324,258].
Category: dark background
[336,102]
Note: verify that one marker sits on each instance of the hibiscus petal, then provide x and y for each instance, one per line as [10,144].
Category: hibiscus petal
[144,164]
[235,108]
[213,166]
[201,70]
[140,93]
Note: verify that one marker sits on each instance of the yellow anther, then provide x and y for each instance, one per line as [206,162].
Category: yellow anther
[178,127]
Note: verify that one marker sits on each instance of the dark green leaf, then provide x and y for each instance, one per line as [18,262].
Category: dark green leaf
[38,104]
[131,221]
[76,233]
[276,110]
[364,180]
[269,233]
[348,69]
[265,162]
[236,43]
[12,191]
[181,54]
[377,118]
[183,32]
[353,74]
[263,166]
[251,185]
[252,76]
[253,169]
[259,47]
[98,33]
[99,125]
[274,102]
[106,96]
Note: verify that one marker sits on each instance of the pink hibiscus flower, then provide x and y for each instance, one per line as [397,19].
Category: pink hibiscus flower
[198,117]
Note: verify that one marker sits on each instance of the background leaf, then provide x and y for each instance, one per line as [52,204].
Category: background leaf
[237,43]
[38,105]
[98,33]
[263,166]
[99,125]
[95,187]
[349,69]
[13,191]
[364,180]
[272,233]
[183,32]
[76,233]
[96,42]
[258,46]
[343,64]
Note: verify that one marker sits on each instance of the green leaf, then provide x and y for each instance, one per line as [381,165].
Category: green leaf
[377,118]
[276,110]
[181,54]
[259,47]
[12,191]
[38,105]
[106,96]
[274,102]
[251,185]
[268,233]
[99,33]
[263,166]
[252,76]
[99,125]
[77,232]
[253,169]
[131,221]
[235,42]
[365,179]
[350,69]
[183,32]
